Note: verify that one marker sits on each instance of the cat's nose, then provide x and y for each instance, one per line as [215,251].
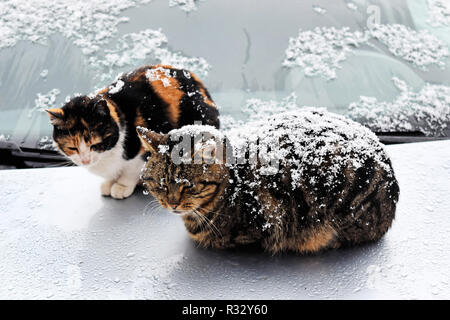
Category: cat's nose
[85,161]
[173,205]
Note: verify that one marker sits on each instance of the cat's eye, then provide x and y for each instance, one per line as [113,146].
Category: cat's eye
[72,148]
[96,147]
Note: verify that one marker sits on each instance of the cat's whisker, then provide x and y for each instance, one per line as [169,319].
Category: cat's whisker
[150,207]
[206,211]
[147,208]
[210,223]
[202,221]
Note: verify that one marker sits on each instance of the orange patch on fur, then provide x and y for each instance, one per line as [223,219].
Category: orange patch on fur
[113,111]
[164,66]
[103,91]
[58,111]
[168,90]
[142,150]
[319,240]
[84,123]
[56,118]
[140,121]
[203,91]
[95,140]
[69,141]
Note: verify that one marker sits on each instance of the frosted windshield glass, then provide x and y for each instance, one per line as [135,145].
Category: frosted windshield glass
[383,63]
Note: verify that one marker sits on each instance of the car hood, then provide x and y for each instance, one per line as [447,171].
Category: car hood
[60,239]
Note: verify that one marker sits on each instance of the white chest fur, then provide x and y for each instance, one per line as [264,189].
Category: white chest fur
[110,166]
[113,166]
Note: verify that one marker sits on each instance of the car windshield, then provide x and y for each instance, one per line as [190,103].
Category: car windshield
[382,63]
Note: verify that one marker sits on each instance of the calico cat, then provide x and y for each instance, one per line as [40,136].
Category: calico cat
[99,131]
[331,184]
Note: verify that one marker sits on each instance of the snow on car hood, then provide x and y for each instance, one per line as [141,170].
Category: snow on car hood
[56,246]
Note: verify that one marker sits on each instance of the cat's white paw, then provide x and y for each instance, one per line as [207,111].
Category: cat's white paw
[120,191]
[105,187]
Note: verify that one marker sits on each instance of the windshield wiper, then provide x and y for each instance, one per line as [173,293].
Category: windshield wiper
[405,137]
[13,156]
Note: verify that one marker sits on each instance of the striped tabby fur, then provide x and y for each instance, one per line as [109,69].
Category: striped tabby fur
[334,187]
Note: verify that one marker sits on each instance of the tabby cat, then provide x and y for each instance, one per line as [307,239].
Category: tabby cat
[99,131]
[331,184]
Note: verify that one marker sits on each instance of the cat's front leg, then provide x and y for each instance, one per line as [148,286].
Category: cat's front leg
[105,187]
[121,190]
[124,186]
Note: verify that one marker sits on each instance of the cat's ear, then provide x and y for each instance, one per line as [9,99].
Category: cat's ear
[56,116]
[101,107]
[150,139]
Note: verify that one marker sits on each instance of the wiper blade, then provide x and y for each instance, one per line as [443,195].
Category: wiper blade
[12,155]
[405,137]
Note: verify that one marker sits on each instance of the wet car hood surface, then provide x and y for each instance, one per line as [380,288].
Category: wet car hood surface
[60,239]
